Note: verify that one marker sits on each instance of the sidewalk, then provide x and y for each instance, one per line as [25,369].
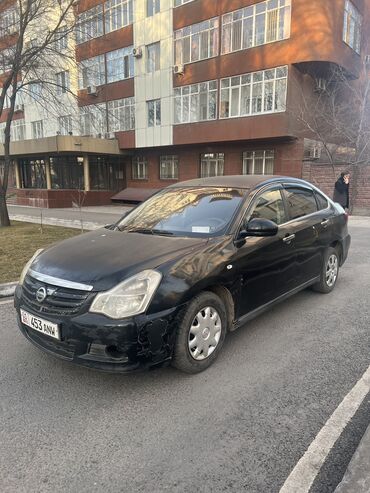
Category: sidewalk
[92,217]
[357,476]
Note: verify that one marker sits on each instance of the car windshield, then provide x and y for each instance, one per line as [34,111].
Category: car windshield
[198,211]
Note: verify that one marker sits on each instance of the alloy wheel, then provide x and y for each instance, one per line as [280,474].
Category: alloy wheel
[331,270]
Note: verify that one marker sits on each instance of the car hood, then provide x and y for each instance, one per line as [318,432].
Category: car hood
[103,258]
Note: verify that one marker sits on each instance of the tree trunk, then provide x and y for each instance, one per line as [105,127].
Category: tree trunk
[4,216]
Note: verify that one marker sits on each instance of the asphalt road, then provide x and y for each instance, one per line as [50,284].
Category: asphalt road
[240,426]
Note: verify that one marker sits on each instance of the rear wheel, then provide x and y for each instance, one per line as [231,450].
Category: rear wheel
[329,272]
[200,334]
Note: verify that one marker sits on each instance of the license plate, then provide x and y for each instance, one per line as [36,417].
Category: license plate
[41,325]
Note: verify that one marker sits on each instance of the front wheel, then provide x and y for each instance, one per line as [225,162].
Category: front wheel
[329,272]
[200,334]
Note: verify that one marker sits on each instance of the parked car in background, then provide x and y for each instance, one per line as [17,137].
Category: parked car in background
[173,277]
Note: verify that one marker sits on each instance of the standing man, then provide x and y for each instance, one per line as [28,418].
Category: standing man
[341,190]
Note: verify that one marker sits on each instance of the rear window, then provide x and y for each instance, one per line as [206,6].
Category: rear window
[322,202]
[300,201]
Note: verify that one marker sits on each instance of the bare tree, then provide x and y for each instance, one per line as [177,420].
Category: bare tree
[30,36]
[337,117]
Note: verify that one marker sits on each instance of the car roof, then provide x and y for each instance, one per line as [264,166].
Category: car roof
[236,181]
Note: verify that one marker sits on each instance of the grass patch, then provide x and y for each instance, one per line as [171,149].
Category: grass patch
[19,242]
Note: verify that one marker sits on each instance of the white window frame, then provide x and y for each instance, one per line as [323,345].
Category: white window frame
[18,130]
[152,7]
[37,129]
[178,3]
[93,119]
[277,15]
[251,156]
[118,14]
[139,168]
[90,24]
[187,101]
[65,124]
[172,162]
[206,159]
[63,82]
[352,27]
[91,72]
[200,34]
[9,21]
[61,39]
[120,64]
[154,106]
[153,57]
[121,114]
[249,84]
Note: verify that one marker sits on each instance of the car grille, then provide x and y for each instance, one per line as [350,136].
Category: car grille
[59,301]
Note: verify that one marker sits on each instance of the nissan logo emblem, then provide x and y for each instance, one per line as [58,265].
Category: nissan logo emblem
[41,294]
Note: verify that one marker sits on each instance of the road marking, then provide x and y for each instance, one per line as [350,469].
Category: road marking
[6,302]
[304,473]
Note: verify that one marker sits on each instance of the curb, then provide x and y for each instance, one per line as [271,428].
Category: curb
[7,289]
[51,221]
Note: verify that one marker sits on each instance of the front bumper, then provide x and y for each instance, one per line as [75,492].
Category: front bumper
[95,341]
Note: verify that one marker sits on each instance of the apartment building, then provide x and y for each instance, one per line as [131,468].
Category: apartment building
[170,90]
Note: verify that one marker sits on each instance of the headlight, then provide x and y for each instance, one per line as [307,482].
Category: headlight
[28,265]
[130,297]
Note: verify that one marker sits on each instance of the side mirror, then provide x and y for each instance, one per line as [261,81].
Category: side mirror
[260,227]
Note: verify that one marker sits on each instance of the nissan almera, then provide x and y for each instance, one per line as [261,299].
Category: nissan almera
[181,270]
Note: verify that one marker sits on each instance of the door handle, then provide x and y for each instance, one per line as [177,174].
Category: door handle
[288,239]
[324,223]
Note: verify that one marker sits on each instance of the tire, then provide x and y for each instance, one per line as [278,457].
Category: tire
[329,272]
[206,311]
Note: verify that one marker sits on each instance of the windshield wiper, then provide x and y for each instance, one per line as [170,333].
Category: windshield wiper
[148,231]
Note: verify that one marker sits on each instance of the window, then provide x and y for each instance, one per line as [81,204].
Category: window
[196,103]
[212,164]
[169,168]
[153,57]
[352,26]
[37,129]
[120,64]
[269,205]
[118,13]
[65,125]
[139,168]
[66,173]
[106,173]
[258,24]
[251,94]
[34,91]
[90,24]
[61,39]
[18,130]
[322,202]
[181,2]
[154,113]
[258,163]
[93,119]
[121,114]
[152,7]
[9,21]
[6,60]
[33,173]
[91,72]
[63,82]
[197,42]
[301,201]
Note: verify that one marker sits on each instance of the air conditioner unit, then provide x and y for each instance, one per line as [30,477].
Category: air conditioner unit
[321,84]
[110,135]
[315,152]
[137,52]
[179,69]
[97,136]
[19,107]
[92,90]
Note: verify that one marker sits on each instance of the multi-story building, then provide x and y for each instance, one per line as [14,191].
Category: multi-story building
[176,89]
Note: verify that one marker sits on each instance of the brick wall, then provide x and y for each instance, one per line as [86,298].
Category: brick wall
[324,176]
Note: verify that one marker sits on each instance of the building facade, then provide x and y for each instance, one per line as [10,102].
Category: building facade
[186,88]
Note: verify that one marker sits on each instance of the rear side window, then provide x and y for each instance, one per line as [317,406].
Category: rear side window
[322,202]
[300,201]
[269,205]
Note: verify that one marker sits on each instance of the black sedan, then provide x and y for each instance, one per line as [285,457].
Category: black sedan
[171,278]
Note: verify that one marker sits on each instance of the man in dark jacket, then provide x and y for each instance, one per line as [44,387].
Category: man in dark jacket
[341,190]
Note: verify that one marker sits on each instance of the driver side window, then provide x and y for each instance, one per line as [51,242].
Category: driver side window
[269,205]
